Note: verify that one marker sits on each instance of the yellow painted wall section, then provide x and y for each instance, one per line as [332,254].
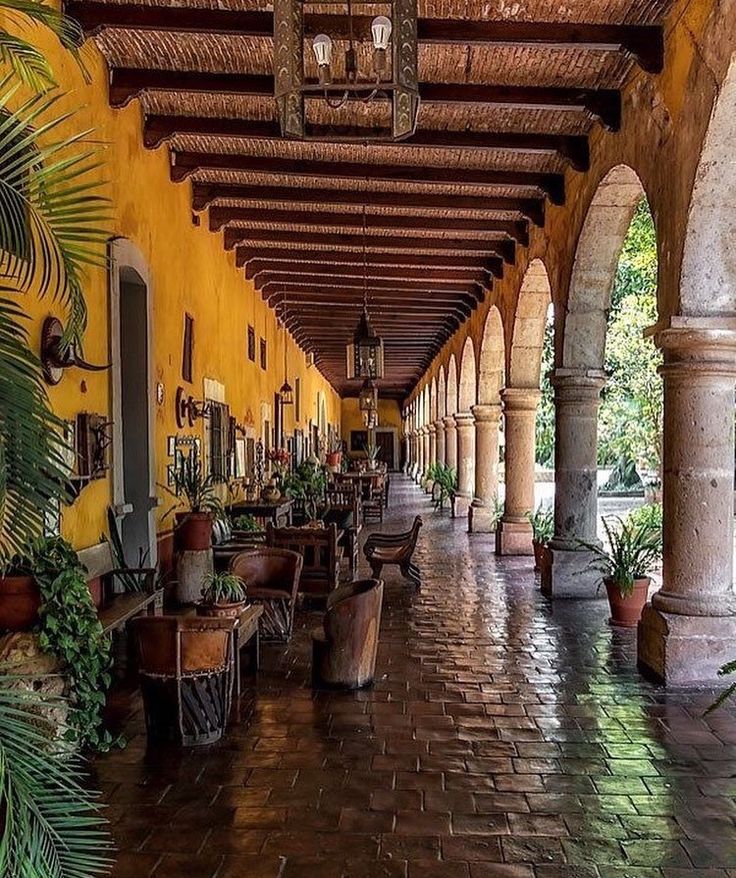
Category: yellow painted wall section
[190,271]
[389,415]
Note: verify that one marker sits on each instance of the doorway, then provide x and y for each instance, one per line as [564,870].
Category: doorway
[133,476]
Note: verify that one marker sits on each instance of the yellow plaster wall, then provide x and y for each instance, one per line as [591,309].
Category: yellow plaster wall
[190,272]
[389,415]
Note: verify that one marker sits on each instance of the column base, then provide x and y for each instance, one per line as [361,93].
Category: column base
[571,576]
[462,505]
[481,519]
[684,650]
[514,538]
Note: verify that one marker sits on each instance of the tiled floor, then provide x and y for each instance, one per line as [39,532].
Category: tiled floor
[504,738]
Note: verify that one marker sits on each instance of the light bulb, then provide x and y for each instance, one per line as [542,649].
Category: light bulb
[381,30]
[322,48]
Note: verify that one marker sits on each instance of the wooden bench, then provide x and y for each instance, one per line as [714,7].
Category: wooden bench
[344,509]
[397,549]
[118,604]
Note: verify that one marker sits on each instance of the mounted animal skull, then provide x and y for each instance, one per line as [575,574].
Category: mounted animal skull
[54,359]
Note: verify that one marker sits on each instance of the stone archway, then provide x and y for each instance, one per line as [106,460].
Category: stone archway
[528,336]
[466,399]
[579,378]
[467,395]
[441,394]
[487,414]
[451,406]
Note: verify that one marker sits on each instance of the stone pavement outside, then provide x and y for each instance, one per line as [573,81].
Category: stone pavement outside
[504,738]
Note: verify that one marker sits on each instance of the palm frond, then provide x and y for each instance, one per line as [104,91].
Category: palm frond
[20,12]
[26,62]
[52,826]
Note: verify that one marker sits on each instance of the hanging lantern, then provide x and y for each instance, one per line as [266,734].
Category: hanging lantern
[286,394]
[370,420]
[368,398]
[365,354]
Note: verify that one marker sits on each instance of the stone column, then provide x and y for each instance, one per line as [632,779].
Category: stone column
[689,629]
[514,533]
[577,398]
[465,425]
[425,451]
[432,454]
[420,455]
[450,441]
[439,432]
[481,515]
[407,453]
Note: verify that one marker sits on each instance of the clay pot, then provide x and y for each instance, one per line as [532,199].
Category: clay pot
[19,602]
[271,494]
[194,531]
[334,459]
[626,611]
[221,611]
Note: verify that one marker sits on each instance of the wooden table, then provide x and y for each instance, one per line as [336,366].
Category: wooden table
[246,634]
[279,512]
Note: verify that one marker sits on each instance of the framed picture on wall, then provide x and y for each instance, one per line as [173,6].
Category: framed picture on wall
[358,440]
[263,354]
[187,356]
[251,344]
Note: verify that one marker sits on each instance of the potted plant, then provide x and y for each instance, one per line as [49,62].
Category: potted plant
[634,548]
[372,453]
[246,524]
[20,596]
[334,454]
[444,484]
[194,527]
[308,484]
[543,528]
[223,594]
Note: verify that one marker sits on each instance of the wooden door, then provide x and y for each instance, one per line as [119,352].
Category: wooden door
[385,443]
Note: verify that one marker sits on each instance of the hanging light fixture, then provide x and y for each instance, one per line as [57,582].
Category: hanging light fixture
[370,420]
[368,397]
[286,394]
[365,354]
[392,78]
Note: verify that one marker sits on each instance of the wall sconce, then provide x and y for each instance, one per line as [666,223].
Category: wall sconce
[54,358]
[188,409]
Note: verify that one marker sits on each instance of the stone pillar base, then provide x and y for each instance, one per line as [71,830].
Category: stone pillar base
[462,505]
[481,519]
[514,538]
[684,650]
[571,576]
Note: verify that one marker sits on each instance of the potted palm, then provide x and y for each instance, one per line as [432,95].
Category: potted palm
[333,458]
[543,528]
[194,527]
[634,549]
[223,594]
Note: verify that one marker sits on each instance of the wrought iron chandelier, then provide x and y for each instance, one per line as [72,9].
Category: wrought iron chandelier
[368,397]
[365,354]
[393,77]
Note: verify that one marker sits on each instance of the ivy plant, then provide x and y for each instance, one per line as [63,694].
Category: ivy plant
[71,631]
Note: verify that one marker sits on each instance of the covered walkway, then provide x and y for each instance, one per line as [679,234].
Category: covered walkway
[505,737]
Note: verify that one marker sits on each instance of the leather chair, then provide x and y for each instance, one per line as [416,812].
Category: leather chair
[397,549]
[185,665]
[271,578]
[344,648]
[320,555]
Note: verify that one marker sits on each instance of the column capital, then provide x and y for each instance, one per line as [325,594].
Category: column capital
[697,346]
[432,428]
[464,419]
[439,424]
[520,398]
[449,422]
[486,412]
[578,385]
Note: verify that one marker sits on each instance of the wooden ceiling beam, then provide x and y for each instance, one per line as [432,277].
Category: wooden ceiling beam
[505,249]
[219,217]
[381,300]
[645,43]
[573,148]
[604,105]
[334,275]
[282,260]
[184,164]
[204,194]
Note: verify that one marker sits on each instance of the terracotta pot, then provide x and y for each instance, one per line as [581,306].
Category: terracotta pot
[194,530]
[228,611]
[626,611]
[334,458]
[271,494]
[19,602]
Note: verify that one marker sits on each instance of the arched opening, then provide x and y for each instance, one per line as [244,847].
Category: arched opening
[132,381]
[441,394]
[708,276]
[467,390]
[433,401]
[452,386]
[491,360]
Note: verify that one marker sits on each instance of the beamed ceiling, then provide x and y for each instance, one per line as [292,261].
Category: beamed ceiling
[507,106]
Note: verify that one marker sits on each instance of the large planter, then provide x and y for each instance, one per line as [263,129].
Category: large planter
[221,611]
[20,599]
[626,611]
[193,531]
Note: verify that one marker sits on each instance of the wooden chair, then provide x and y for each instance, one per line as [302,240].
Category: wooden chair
[185,666]
[344,648]
[227,543]
[398,549]
[320,553]
[345,510]
[374,496]
[271,577]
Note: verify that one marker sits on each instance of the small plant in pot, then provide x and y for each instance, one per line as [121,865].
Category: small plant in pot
[20,596]
[333,458]
[543,528]
[223,594]
[634,550]
[194,528]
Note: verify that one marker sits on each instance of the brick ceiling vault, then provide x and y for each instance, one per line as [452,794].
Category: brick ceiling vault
[507,109]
